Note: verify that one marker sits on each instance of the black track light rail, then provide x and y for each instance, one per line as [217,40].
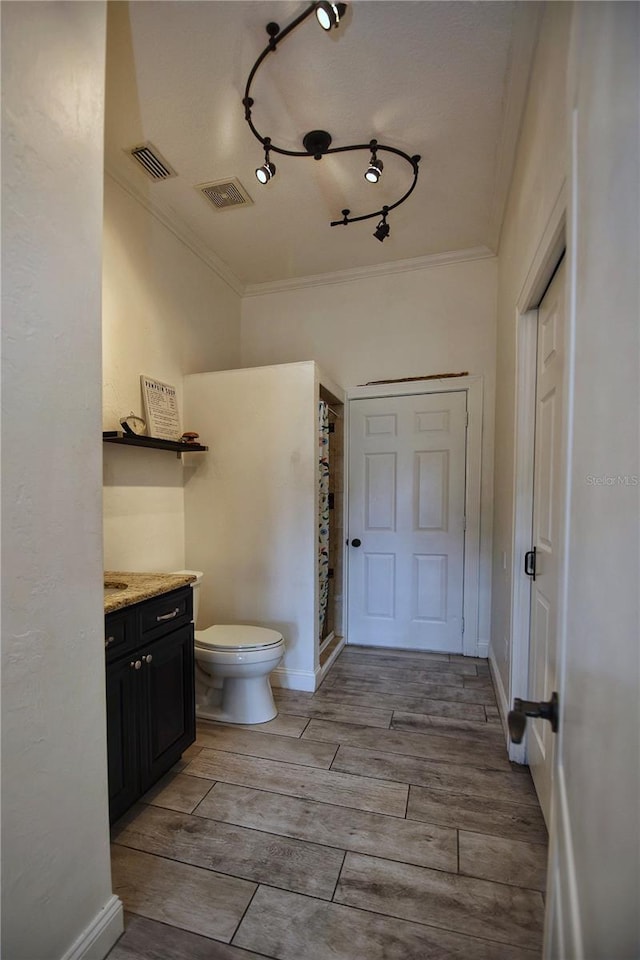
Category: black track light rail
[276,36]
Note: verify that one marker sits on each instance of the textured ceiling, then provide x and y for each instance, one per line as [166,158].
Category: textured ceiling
[445,80]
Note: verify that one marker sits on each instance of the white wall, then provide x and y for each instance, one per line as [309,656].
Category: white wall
[165,314]
[56,882]
[437,319]
[580,138]
[598,786]
[251,505]
[540,171]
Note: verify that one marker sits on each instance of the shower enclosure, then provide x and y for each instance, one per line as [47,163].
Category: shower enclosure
[254,505]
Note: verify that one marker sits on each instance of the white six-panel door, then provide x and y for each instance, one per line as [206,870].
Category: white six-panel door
[406,507]
[547,501]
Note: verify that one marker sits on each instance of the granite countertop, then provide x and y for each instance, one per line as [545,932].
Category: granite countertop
[139,587]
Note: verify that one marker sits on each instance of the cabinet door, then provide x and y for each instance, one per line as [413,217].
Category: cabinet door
[169,723]
[122,736]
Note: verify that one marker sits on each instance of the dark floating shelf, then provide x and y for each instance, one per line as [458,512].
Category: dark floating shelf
[176,446]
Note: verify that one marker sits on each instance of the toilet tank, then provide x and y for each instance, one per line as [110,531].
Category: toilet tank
[195,586]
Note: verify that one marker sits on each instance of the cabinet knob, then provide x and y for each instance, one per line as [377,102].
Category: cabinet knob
[147,658]
[108,641]
[136,664]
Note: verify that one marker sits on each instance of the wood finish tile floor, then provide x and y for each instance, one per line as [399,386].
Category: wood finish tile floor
[377,819]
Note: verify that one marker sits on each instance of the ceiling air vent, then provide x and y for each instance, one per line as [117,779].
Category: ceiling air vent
[225,193]
[152,162]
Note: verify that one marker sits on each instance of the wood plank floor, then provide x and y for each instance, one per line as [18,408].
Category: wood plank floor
[377,819]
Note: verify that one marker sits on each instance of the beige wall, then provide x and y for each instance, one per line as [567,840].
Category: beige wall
[56,880]
[597,809]
[436,319]
[165,314]
[541,168]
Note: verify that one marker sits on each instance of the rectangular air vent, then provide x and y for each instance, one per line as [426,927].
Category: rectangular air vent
[225,193]
[152,162]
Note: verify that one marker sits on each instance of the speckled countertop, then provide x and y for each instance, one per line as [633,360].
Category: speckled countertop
[139,586]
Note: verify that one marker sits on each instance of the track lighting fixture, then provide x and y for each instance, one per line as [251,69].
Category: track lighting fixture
[383,230]
[374,171]
[317,143]
[268,170]
[329,14]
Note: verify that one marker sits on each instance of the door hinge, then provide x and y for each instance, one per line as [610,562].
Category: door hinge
[463,625]
[464,523]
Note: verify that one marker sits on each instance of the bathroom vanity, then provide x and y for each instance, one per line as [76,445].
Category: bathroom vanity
[150,681]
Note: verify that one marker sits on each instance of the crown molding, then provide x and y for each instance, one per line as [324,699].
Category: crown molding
[180,231]
[363,273]
[516,87]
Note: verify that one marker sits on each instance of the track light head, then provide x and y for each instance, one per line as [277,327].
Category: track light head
[329,14]
[374,171]
[383,230]
[266,172]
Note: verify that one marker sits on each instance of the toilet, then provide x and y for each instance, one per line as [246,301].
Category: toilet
[233,663]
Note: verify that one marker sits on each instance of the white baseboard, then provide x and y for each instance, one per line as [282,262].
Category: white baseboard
[483,649]
[96,941]
[295,679]
[502,698]
[563,928]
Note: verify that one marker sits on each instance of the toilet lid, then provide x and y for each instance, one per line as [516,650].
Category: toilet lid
[237,637]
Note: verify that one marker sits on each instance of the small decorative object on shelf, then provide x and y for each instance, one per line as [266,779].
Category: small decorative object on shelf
[190,437]
[161,409]
[133,425]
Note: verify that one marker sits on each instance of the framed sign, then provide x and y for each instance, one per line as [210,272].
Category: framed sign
[160,409]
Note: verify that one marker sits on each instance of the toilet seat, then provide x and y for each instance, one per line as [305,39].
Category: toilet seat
[237,637]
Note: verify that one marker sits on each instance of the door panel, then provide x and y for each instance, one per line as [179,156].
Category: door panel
[380,576]
[547,494]
[406,505]
[431,490]
[122,736]
[380,491]
[170,706]
[430,589]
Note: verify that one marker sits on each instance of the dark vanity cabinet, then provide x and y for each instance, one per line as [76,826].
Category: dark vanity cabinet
[150,693]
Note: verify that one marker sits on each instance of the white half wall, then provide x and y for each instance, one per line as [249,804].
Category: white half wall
[437,319]
[165,313]
[56,878]
[251,516]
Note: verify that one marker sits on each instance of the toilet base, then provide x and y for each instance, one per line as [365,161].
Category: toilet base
[241,700]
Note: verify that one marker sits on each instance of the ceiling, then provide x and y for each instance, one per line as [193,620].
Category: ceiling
[446,80]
